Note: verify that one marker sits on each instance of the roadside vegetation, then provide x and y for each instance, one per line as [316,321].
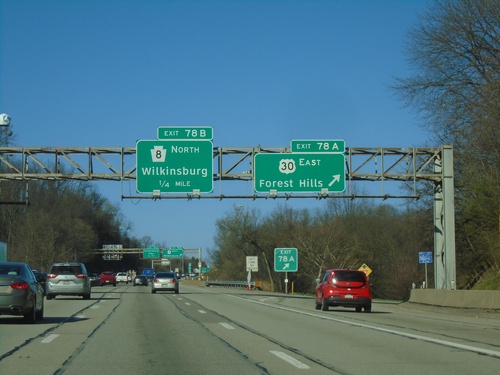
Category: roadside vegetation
[455,53]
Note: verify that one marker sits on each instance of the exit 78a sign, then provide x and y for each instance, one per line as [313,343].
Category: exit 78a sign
[299,172]
[286,260]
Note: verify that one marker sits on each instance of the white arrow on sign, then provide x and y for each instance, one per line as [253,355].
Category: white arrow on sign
[336,178]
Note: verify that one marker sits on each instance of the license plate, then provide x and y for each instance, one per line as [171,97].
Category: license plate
[65,282]
[348,296]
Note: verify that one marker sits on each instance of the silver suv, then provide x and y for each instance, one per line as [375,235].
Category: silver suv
[68,279]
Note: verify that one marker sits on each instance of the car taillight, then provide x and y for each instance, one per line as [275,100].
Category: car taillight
[81,276]
[23,286]
[173,281]
[155,280]
[51,276]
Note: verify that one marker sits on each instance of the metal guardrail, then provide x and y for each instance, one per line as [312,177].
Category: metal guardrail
[234,284]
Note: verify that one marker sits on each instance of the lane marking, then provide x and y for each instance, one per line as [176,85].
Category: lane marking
[187,303]
[227,325]
[202,311]
[450,344]
[50,338]
[290,359]
[95,307]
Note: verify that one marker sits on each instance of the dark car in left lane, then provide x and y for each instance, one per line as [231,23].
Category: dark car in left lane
[140,280]
[20,292]
[41,277]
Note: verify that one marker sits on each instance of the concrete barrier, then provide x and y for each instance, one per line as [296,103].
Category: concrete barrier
[481,299]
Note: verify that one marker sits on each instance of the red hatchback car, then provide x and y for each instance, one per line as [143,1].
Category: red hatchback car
[345,288]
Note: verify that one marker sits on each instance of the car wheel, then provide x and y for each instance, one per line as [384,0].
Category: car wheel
[153,291]
[317,305]
[176,292]
[324,305]
[50,296]
[358,309]
[30,317]
[368,308]
[114,284]
[86,296]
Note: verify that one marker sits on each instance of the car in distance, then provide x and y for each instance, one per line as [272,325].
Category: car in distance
[68,279]
[94,279]
[344,288]
[107,278]
[123,277]
[165,281]
[141,280]
[20,292]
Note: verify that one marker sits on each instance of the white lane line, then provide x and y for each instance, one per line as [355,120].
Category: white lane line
[49,338]
[226,325]
[202,311]
[95,307]
[492,353]
[187,303]
[79,316]
[291,360]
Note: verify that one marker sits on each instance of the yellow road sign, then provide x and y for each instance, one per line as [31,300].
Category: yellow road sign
[365,269]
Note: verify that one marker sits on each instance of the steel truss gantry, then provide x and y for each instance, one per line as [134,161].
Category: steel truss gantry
[380,165]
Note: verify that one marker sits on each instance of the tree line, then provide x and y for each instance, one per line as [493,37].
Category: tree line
[343,234]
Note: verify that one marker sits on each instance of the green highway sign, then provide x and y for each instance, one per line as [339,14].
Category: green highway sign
[286,260]
[319,145]
[299,172]
[174,166]
[173,252]
[193,133]
[151,252]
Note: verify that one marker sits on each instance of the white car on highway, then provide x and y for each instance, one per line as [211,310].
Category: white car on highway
[123,277]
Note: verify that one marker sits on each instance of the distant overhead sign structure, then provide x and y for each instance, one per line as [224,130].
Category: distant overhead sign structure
[173,252]
[151,252]
[180,166]
[299,172]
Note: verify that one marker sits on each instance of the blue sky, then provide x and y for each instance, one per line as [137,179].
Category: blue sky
[108,73]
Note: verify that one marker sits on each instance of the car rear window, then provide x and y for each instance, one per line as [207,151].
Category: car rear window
[10,270]
[164,274]
[349,276]
[66,270]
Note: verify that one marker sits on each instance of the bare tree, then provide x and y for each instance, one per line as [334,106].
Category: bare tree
[455,51]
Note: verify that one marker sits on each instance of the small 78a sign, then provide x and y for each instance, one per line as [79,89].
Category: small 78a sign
[286,260]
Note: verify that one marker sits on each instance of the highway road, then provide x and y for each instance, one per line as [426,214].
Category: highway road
[127,330]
